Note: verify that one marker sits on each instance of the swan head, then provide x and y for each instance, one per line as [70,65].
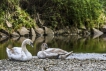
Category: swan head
[44,46]
[28,41]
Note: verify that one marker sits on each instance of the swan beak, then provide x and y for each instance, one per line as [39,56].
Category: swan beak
[31,44]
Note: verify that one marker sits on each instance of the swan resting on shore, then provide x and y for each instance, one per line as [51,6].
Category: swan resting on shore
[20,53]
[55,53]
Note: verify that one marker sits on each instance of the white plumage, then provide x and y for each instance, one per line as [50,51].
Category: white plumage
[20,53]
[52,52]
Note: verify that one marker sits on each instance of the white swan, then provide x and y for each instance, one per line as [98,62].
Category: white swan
[52,52]
[20,53]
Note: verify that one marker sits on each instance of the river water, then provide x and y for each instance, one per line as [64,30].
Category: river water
[82,47]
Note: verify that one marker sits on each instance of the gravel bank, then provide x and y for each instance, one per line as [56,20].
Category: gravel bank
[53,65]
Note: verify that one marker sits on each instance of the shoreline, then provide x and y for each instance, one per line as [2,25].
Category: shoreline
[53,65]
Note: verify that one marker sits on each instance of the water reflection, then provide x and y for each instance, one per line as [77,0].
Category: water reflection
[69,43]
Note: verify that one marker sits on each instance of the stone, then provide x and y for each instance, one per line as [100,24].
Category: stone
[23,31]
[33,34]
[48,31]
[15,34]
[53,65]
[21,39]
[39,39]
[8,24]
[15,38]
[97,32]
[39,31]
[3,35]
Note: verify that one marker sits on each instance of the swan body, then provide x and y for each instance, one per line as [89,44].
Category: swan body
[52,52]
[20,53]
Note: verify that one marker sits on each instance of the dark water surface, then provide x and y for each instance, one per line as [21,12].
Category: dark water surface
[73,43]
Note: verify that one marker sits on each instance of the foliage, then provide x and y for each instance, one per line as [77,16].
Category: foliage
[11,12]
[57,14]
[60,13]
[103,2]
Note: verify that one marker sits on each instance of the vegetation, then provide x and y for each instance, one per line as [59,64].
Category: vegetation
[57,14]
[11,12]
[78,13]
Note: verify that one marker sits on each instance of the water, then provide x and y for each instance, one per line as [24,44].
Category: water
[80,46]
[84,56]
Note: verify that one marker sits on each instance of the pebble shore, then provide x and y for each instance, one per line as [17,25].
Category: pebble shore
[53,65]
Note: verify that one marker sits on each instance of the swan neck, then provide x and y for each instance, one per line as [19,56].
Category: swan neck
[24,47]
[42,48]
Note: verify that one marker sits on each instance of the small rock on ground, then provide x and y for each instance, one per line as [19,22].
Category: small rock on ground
[53,65]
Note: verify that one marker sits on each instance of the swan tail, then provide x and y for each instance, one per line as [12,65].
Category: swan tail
[65,55]
[10,49]
[68,54]
[8,53]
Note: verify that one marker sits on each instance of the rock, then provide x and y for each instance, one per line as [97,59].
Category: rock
[15,34]
[97,32]
[39,31]
[23,31]
[53,65]
[33,34]
[3,35]
[48,38]
[95,36]
[61,31]
[8,24]
[48,31]
[21,39]
[15,38]
[104,26]
[39,39]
